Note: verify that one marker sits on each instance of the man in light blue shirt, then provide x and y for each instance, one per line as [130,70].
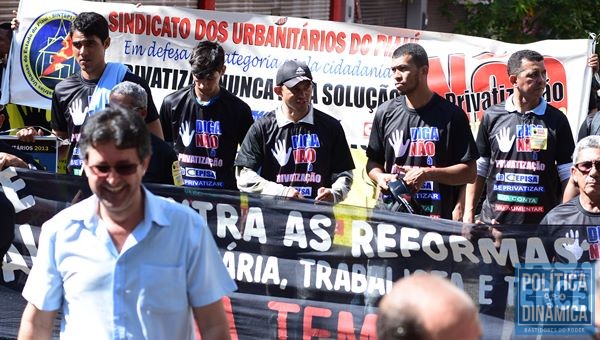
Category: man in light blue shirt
[124,263]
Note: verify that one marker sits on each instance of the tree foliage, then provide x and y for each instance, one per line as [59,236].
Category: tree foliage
[524,21]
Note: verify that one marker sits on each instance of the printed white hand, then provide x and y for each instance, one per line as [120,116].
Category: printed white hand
[280,154]
[77,113]
[186,135]
[398,144]
[505,141]
[572,244]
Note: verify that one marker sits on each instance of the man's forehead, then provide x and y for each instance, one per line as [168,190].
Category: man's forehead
[78,36]
[404,59]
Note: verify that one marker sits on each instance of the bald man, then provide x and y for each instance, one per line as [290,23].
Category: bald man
[425,306]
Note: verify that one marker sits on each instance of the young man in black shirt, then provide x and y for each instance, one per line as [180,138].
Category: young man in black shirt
[87,91]
[295,150]
[422,137]
[205,122]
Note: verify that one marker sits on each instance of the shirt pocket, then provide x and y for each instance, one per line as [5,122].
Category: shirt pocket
[165,289]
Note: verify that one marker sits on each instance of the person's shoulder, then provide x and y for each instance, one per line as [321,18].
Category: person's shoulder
[554,112]
[267,119]
[134,78]
[177,95]
[323,117]
[69,82]
[172,213]
[558,212]
[72,215]
[390,104]
[159,146]
[233,99]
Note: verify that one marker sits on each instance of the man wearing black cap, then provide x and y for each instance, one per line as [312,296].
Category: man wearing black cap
[205,122]
[295,150]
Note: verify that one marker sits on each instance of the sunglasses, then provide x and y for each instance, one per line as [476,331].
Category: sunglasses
[586,167]
[124,169]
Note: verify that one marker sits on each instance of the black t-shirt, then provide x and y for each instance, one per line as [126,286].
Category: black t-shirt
[435,135]
[569,220]
[523,183]
[313,152]
[74,94]
[160,167]
[206,138]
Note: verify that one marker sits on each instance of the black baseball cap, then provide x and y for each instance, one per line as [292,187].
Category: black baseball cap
[292,72]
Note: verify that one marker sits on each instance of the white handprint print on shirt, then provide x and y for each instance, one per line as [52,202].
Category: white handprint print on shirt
[78,113]
[505,141]
[572,244]
[280,153]
[186,135]
[398,144]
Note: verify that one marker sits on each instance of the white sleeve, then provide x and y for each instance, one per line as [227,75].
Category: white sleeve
[250,181]
[342,182]
[483,165]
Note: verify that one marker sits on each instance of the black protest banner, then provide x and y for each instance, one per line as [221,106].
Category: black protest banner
[303,269]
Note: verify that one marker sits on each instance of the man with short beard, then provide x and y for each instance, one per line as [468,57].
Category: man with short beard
[420,137]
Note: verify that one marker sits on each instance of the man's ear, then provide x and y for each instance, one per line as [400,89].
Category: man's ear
[106,43]
[277,90]
[512,79]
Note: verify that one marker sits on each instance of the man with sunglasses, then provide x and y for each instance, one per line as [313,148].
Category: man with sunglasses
[295,150]
[579,218]
[205,122]
[125,263]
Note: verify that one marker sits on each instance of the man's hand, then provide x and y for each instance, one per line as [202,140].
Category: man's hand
[593,62]
[281,155]
[398,144]
[78,113]
[7,160]
[14,22]
[291,192]
[324,195]
[383,179]
[415,177]
[186,135]
[28,134]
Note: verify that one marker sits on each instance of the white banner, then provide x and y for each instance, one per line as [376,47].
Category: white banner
[349,62]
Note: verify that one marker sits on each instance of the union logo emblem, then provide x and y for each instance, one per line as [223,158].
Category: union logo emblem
[46,53]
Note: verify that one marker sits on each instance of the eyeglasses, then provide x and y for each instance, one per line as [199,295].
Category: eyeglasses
[124,169]
[586,167]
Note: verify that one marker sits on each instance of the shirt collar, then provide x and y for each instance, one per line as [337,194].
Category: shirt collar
[152,209]
[282,120]
[538,110]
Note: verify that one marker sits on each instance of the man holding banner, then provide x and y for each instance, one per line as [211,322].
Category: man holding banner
[87,91]
[125,263]
[298,150]
[422,137]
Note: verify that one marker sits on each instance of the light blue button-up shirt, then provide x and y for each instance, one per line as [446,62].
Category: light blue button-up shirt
[168,264]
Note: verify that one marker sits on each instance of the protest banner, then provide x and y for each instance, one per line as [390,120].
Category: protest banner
[349,62]
[309,269]
[44,150]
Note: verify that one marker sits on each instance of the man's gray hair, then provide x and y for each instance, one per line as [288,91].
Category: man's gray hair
[133,90]
[589,142]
